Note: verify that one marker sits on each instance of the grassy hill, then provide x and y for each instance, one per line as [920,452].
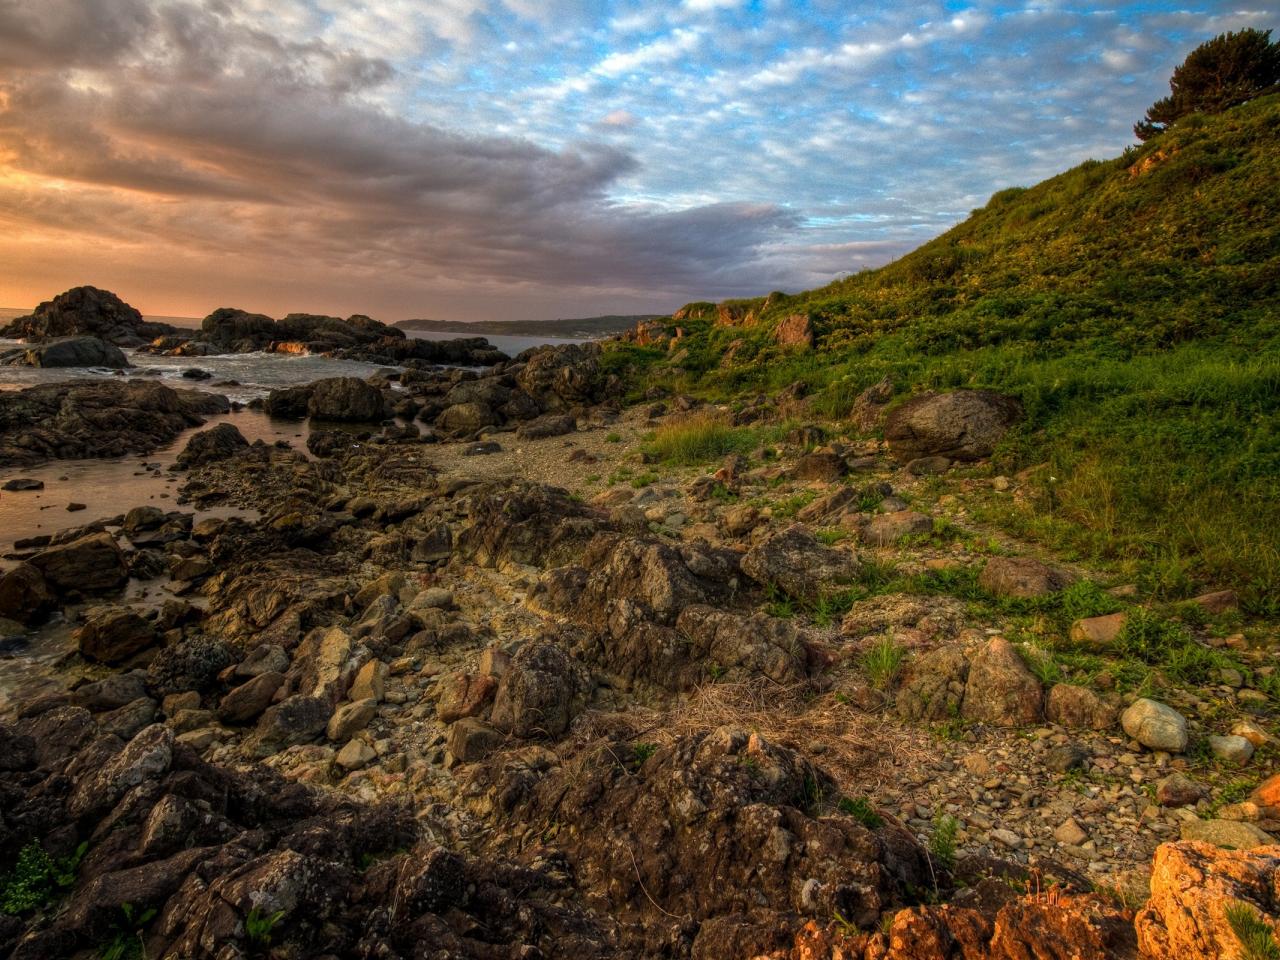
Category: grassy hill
[1131,304]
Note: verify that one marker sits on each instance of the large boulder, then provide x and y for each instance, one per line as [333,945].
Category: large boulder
[1001,690]
[1193,886]
[114,634]
[1021,577]
[25,596]
[69,352]
[91,564]
[541,692]
[962,425]
[796,563]
[87,311]
[347,399]
[1155,725]
[209,446]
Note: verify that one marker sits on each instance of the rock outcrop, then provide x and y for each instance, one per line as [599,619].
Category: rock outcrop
[68,352]
[87,311]
[961,425]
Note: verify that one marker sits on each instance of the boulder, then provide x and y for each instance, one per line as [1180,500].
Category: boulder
[70,352]
[87,311]
[795,562]
[820,465]
[1155,725]
[347,399]
[354,755]
[962,425]
[251,698]
[1192,886]
[289,403]
[540,693]
[464,695]
[209,446]
[145,757]
[114,634]
[470,740]
[1000,689]
[1098,632]
[370,682]
[190,664]
[91,564]
[552,425]
[887,529]
[869,405]
[25,596]
[934,686]
[349,719]
[1022,577]
[294,720]
[466,418]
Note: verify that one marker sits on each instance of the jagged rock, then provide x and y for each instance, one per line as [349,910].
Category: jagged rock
[1192,885]
[1021,577]
[563,376]
[70,352]
[1078,708]
[296,719]
[346,399]
[540,693]
[111,692]
[114,634]
[1000,689]
[795,562]
[210,446]
[464,695]
[290,403]
[79,419]
[1155,725]
[370,682]
[25,596]
[91,564]
[127,721]
[529,524]
[962,425]
[349,719]
[934,687]
[247,701]
[146,756]
[932,617]
[190,664]
[470,740]
[636,833]
[869,405]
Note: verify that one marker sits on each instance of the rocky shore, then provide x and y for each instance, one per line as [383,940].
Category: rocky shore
[490,677]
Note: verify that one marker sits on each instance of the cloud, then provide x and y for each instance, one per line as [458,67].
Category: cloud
[197,130]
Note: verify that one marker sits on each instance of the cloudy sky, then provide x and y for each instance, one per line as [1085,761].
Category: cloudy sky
[475,159]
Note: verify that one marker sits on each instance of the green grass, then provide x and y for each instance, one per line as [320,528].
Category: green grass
[883,662]
[1256,937]
[258,926]
[699,438]
[1134,316]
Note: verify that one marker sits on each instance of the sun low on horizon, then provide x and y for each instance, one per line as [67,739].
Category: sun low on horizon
[506,159]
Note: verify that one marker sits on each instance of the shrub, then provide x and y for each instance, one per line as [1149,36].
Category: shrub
[883,661]
[944,839]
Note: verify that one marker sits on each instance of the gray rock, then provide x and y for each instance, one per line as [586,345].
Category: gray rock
[71,352]
[347,399]
[1155,725]
[961,425]
[114,634]
[209,446]
[1232,834]
[1022,577]
[1231,749]
[1001,690]
[471,739]
[794,561]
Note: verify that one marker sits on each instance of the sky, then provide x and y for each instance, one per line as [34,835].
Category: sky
[530,159]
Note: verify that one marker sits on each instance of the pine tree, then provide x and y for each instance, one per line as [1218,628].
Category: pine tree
[1219,74]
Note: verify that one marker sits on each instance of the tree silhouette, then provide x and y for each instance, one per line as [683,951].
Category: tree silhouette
[1219,74]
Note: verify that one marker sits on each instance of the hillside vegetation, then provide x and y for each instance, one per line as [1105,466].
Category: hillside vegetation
[1131,305]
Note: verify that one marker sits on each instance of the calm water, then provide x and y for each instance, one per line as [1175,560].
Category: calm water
[507,344]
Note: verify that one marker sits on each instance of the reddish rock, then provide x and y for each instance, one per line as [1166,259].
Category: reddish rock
[795,331]
[464,695]
[1097,631]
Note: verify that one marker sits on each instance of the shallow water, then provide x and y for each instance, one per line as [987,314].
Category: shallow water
[111,487]
[510,345]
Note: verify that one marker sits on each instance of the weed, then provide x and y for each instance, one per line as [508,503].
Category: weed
[883,660]
[127,941]
[943,840]
[699,438]
[648,478]
[1257,941]
[643,751]
[37,879]
[860,809]
[613,437]
[831,536]
[258,926]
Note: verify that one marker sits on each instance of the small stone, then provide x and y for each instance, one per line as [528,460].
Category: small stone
[471,739]
[1231,749]
[1098,631]
[1068,756]
[355,755]
[1070,833]
[1251,732]
[1008,838]
[371,682]
[350,718]
[1178,790]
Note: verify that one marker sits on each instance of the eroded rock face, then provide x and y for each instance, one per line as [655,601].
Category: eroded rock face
[962,425]
[1192,886]
[934,687]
